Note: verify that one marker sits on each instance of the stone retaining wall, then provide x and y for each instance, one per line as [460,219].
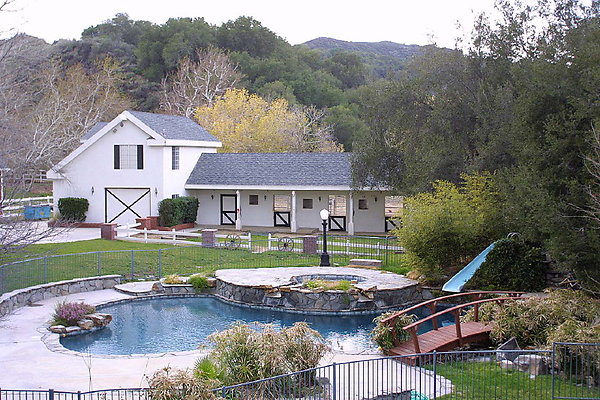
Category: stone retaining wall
[22,297]
[300,299]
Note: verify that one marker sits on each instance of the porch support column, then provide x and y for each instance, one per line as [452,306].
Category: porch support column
[238,211]
[350,214]
[293,225]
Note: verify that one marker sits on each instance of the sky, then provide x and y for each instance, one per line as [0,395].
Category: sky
[403,21]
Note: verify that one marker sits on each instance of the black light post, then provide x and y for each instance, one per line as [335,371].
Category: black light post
[324,256]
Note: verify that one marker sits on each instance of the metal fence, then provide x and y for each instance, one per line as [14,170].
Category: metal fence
[156,263]
[567,371]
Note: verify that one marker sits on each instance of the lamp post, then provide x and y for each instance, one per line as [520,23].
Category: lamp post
[324,256]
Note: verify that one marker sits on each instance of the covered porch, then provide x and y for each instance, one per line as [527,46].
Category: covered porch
[293,211]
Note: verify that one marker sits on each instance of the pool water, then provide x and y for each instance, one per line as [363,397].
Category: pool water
[181,324]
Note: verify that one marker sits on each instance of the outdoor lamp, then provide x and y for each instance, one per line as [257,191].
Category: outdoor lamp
[324,213]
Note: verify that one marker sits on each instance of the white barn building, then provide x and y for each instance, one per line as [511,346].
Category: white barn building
[126,166]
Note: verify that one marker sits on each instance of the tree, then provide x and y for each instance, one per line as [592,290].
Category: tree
[246,34]
[245,122]
[70,103]
[199,83]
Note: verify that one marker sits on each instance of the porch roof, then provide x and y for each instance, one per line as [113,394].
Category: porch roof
[272,170]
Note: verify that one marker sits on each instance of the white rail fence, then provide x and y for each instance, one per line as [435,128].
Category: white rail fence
[16,207]
[356,246]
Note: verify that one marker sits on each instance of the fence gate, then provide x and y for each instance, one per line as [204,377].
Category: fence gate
[228,209]
[575,370]
[282,206]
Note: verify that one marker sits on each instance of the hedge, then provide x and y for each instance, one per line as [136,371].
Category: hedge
[511,265]
[73,208]
[181,210]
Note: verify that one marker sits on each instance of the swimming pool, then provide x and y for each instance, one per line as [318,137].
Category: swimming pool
[160,325]
[182,324]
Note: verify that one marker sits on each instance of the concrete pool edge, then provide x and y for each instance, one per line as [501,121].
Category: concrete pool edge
[52,340]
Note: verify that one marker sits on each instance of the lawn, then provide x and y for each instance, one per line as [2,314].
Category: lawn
[486,380]
[54,262]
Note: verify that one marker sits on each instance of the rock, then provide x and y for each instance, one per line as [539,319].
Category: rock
[57,329]
[99,318]
[156,287]
[85,324]
[532,363]
[72,329]
[510,344]
[507,364]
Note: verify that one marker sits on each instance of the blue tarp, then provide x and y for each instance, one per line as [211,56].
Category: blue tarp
[457,282]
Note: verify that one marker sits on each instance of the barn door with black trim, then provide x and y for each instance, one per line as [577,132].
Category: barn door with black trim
[228,209]
[124,205]
[337,223]
[281,218]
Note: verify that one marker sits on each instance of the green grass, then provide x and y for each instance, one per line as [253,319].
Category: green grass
[486,380]
[323,284]
[78,260]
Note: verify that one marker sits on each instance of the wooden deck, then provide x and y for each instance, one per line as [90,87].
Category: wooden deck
[445,339]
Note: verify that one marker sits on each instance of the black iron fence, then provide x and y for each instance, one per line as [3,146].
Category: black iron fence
[567,371]
[156,263]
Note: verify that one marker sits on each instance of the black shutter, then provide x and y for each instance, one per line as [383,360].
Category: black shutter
[117,153]
[140,156]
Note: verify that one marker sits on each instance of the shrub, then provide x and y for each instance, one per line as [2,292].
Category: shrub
[175,384]
[199,282]
[383,334]
[243,353]
[511,265]
[177,211]
[67,313]
[173,279]
[444,229]
[73,208]
[535,321]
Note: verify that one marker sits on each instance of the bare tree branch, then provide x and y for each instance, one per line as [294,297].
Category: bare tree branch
[196,84]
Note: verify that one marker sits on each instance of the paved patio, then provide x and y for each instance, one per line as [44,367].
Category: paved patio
[28,361]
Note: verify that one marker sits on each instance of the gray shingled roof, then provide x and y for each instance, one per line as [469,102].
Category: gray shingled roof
[272,169]
[174,127]
[93,130]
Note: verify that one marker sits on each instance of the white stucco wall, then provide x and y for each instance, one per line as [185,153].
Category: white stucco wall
[94,167]
[261,215]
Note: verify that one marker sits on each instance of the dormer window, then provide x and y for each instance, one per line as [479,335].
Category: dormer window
[129,156]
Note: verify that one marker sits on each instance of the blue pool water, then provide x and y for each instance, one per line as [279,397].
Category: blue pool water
[181,324]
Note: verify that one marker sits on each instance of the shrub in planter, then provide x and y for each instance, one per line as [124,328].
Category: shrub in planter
[383,334]
[199,282]
[177,211]
[73,208]
[68,313]
[511,265]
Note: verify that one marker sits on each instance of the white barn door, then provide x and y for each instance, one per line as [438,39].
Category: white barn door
[124,205]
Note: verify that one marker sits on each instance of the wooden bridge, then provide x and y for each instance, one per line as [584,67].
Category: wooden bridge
[446,338]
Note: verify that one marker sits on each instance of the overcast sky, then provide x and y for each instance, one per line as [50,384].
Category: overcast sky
[402,21]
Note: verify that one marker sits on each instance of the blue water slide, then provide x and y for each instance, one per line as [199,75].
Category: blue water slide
[457,282]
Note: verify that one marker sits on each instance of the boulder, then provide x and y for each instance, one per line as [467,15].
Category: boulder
[507,364]
[85,324]
[532,363]
[57,329]
[72,329]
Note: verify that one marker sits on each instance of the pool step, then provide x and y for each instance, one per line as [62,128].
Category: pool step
[140,288]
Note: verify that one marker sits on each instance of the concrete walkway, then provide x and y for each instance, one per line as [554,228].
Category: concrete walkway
[64,235]
[32,358]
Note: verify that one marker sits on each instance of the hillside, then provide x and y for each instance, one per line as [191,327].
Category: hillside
[384,57]
[386,48]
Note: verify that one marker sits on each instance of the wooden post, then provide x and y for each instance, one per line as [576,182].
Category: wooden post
[415,338]
[476,313]
[434,321]
[457,324]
